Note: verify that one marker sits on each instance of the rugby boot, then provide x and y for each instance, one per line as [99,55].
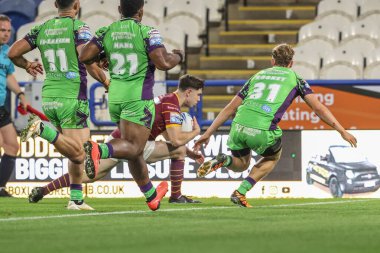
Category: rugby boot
[92,159]
[239,199]
[211,165]
[161,190]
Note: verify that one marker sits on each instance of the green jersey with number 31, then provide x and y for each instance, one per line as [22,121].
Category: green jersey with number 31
[267,95]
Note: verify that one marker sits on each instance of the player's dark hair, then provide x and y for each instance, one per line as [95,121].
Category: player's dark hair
[129,8]
[4,18]
[64,4]
[283,55]
[188,81]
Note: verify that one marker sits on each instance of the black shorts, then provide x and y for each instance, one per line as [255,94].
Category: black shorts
[5,117]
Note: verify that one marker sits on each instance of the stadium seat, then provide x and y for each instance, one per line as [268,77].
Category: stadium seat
[174,38]
[46,10]
[105,8]
[342,63]
[369,8]
[335,20]
[97,21]
[20,11]
[361,36]
[319,30]
[215,7]
[153,12]
[346,8]
[187,13]
[306,63]
[372,70]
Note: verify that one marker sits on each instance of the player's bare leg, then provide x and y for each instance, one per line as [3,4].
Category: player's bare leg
[69,147]
[164,150]
[130,146]
[261,169]
[76,166]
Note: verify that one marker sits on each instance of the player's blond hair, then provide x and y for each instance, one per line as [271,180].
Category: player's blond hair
[4,18]
[283,55]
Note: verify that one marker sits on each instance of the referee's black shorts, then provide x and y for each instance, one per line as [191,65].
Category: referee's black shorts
[5,117]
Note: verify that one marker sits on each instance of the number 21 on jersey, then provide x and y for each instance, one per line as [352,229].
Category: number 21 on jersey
[119,68]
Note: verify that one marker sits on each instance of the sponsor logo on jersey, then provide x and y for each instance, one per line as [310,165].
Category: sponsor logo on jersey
[175,118]
[55,31]
[71,75]
[155,38]
[84,33]
[266,108]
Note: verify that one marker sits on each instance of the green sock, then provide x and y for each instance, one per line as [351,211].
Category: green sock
[76,195]
[228,161]
[104,151]
[48,133]
[149,193]
[245,186]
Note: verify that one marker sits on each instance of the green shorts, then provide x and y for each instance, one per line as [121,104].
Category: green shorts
[242,137]
[141,112]
[66,113]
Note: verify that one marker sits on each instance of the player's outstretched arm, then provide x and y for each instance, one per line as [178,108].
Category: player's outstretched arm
[222,117]
[16,52]
[325,114]
[163,60]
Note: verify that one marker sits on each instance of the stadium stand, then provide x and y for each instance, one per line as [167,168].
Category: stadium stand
[187,13]
[100,9]
[361,36]
[345,8]
[319,33]
[306,62]
[46,10]
[372,70]
[153,12]
[237,39]
[342,63]
[20,11]
[369,8]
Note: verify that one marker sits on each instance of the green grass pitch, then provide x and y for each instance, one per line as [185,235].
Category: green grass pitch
[127,225]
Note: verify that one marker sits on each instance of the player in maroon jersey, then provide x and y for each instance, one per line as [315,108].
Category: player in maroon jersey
[168,123]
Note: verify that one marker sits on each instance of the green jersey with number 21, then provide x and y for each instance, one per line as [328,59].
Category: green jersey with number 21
[127,44]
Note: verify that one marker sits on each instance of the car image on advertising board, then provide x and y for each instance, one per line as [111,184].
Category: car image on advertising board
[343,170]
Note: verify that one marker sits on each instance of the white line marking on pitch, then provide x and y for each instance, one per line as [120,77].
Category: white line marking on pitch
[174,210]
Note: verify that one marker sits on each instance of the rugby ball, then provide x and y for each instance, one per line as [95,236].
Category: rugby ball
[187,122]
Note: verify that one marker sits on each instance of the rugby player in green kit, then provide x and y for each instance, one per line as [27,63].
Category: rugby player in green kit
[133,51]
[64,92]
[259,107]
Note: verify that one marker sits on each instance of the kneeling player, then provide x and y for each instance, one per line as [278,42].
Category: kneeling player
[168,122]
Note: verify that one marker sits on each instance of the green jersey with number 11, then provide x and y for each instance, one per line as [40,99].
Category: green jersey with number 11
[57,39]
[127,44]
[267,95]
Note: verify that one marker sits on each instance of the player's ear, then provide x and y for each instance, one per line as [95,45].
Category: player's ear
[55,4]
[76,6]
[119,9]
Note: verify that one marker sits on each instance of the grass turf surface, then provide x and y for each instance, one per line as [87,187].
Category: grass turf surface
[127,225]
